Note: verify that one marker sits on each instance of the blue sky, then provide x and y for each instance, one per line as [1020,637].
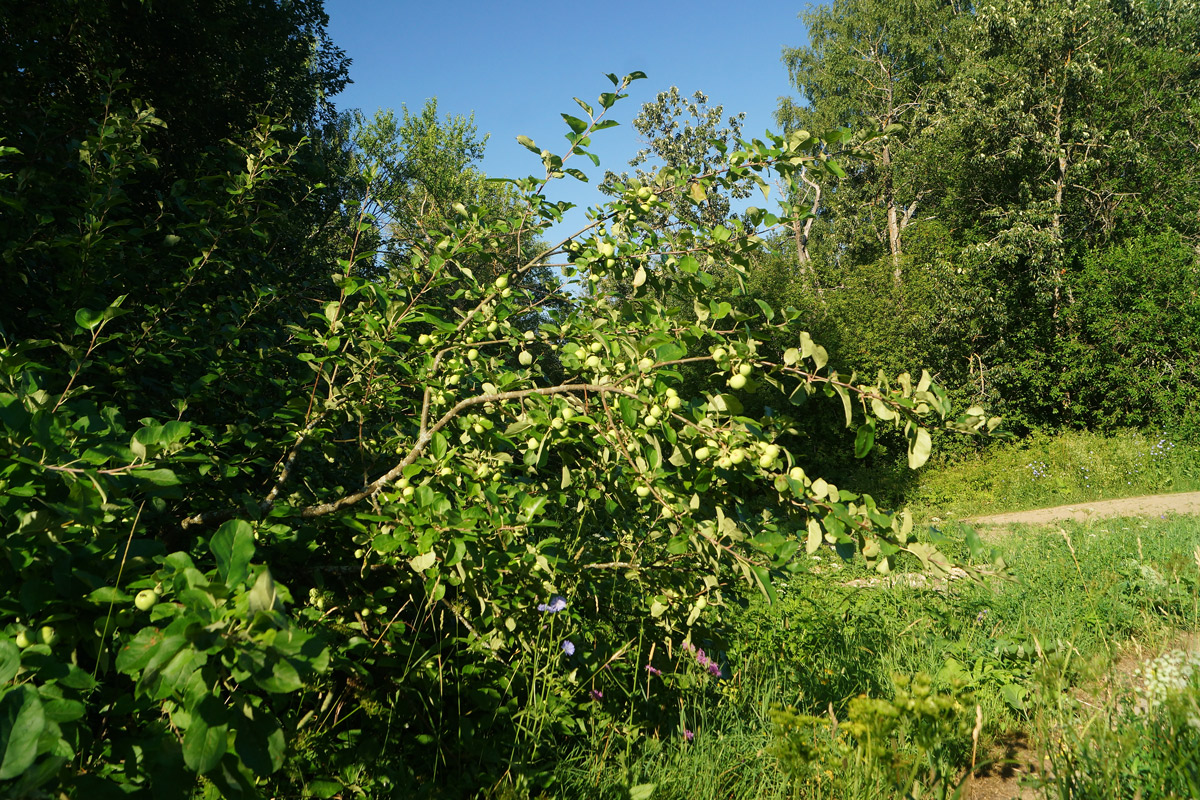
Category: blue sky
[517,65]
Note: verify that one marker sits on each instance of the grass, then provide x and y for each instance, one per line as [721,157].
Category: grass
[1043,471]
[1077,599]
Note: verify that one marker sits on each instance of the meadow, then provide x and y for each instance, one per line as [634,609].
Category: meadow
[1075,658]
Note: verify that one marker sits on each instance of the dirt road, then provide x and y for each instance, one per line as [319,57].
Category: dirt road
[1149,505]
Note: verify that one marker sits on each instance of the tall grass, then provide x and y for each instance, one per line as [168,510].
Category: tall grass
[1075,598]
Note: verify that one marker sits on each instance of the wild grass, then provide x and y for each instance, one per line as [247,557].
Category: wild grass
[1075,599]
[1042,471]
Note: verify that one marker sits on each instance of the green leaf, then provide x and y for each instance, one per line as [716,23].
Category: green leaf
[259,742]
[528,144]
[696,193]
[639,277]
[88,319]
[643,791]
[865,439]
[577,125]
[919,448]
[263,597]
[423,562]
[233,547]
[207,737]
[10,660]
[22,721]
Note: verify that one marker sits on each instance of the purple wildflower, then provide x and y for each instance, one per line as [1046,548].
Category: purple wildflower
[688,735]
[568,647]
[652,670]
[557,603]
[714,669]
[597,694]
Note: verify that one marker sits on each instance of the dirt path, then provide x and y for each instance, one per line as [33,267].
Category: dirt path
[1150,505]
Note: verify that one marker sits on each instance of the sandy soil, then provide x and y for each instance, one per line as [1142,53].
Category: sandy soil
[1150,505]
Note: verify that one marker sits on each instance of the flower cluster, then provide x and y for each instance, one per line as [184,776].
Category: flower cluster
[1039,469]
[557,603]
[703,660]
[1167,675]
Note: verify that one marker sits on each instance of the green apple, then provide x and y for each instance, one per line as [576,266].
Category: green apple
[472,354]
[606,249]
[502,282]
[645,364]
[593,361]
[737,382]
[871,548]
[796,474]
[493,326]
[737,456]
[720,354]
[145,600]
[24,639]
[703,453]
[526,358]
[424,340]
[568,412]
[477,428]
[580,353]
[596,347]
[745,369]
[674,402]
[643,491]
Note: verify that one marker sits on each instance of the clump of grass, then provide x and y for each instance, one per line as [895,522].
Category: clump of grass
[1069,467]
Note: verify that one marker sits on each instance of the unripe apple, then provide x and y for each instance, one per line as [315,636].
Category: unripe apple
[871,548]
[407,492]
[765,461]
[645,364]
[568,412]
[493,326]
[610,262]
[424,340]
[557,424]
[643,193]
[529,336]
[737,456]
[737,382]
[796,474]
[649,421]
[596,347]
[606,249]
[655,411]
[526,358]
[472,354]
[719,354]
[703,453]
[25,639]
[593,361]
[745,369]
[643,491]
[674,403]
[724,462]
[532,444]
[580,353]
[477,428]
[502,282]
[146,599]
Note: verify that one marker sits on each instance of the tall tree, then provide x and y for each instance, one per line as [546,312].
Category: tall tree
[872,67]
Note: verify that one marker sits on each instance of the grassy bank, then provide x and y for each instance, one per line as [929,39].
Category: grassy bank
[1015,649]
[1042,471]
